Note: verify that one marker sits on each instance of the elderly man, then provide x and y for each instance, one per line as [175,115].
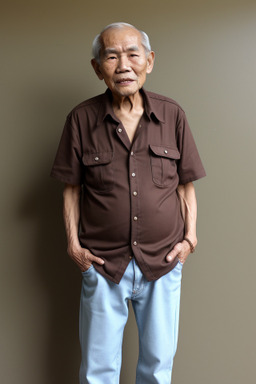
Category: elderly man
[128,160]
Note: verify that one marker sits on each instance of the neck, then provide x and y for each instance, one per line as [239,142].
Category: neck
[128,103]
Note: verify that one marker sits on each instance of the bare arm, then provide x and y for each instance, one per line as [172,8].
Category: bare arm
[71,213]
[189,212]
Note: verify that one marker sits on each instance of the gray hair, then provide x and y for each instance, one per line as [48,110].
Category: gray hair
[97,42]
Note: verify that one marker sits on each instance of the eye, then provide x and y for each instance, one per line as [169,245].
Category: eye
[111,57]
[134,55]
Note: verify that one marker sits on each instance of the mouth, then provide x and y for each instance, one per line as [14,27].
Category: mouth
[125,81]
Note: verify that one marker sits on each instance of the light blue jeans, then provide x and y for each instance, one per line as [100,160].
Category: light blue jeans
[104,313]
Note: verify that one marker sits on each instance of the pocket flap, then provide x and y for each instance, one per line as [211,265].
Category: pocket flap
[165,151]
[97,158]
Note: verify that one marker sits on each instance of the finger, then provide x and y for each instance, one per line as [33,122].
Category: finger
[182,259]
[184,253]
[174,253]
[171,256]
[97,260]
[186,247]
[83,260]
[90,257]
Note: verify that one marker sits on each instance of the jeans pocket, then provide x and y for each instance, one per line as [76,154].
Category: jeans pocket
[87,272]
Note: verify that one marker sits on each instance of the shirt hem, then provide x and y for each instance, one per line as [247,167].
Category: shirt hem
[64,179]
[192,178]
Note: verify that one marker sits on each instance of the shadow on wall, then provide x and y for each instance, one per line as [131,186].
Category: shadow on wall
[61,282]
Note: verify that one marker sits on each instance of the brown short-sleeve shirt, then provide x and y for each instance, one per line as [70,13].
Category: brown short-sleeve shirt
[129,204]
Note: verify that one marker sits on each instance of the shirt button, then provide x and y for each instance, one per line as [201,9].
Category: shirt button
[135,218]
[133,174]
[132,153]
[135,193]
[135,243]
[96,158]
[120,130]
[165,151]
[130,257]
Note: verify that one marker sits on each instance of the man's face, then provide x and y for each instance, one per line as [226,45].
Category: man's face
[124,64]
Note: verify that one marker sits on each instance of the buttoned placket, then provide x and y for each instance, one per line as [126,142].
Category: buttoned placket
[133,183]
[133,175]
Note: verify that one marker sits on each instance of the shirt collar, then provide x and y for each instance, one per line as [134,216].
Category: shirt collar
[152,108]
[106,108]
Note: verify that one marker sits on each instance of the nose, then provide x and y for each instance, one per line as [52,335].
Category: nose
[123,64]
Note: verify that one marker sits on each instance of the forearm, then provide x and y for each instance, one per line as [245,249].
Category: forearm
[188,203]
[189,210]
[71,214]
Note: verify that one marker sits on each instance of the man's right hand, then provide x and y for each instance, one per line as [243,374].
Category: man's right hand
[83,257]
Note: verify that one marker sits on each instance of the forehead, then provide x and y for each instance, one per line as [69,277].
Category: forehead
[120,38]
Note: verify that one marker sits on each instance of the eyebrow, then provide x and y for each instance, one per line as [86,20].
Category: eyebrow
[108,51]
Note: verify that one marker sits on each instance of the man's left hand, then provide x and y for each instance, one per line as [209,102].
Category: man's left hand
[181,250]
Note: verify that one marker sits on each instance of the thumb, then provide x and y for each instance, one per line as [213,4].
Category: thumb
[97,260]
[93,258]
[174,253]
[89,256]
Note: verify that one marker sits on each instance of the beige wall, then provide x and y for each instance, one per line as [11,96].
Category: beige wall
[206,60]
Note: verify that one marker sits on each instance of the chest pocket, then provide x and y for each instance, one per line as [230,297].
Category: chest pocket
[163,164]
[99,174]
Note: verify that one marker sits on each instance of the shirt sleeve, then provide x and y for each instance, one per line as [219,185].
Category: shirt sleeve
[190,167]
[67,166]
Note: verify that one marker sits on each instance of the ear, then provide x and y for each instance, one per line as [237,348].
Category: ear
[96,67]
[150,61]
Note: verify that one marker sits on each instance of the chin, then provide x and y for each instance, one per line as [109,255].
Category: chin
[127,91]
